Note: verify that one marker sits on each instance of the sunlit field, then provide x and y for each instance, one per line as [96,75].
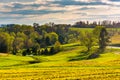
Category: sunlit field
[82,29]
[70,64]
[115,39]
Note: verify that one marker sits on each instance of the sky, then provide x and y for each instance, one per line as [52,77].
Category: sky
[58,11]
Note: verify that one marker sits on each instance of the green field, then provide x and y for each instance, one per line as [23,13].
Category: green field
[70,64]
[82,29]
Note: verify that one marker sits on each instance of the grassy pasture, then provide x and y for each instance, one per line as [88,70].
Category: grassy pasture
[66,65]
[82,29]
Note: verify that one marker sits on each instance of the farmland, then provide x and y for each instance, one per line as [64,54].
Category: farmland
[62,74]
[67,65]
[70,64]
[59,40]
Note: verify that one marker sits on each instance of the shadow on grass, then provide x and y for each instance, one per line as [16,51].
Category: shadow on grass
[84,55]
[34,62]
[115,45]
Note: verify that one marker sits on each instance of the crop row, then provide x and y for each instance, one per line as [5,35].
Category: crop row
[60,73]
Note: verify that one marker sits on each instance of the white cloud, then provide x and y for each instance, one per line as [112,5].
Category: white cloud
[43,1]
[110,2]
[86,0]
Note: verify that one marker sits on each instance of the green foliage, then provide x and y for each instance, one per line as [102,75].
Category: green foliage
[27,29]
[52,51]
[45,35]
[18,44]
[87,40]
[33,36]
[42,52]
[57,46]
[28,43]
[47,41]
[61,39]
[102,37]
[24,53]
[5,42]
[53,37]
[35,48]
[46,52]
[25,37]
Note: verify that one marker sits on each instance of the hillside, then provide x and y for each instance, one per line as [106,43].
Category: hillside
[68,64]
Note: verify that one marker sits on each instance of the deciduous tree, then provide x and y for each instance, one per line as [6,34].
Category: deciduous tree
[87,40]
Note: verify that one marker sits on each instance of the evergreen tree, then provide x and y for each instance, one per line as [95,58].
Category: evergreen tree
[24,53]
[103,39]
[42,52]
[52,50]
[47,41]
[46,52]
[61,39]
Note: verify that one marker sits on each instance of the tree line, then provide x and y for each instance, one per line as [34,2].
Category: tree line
[47,39]
[105,23]
[35,40]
